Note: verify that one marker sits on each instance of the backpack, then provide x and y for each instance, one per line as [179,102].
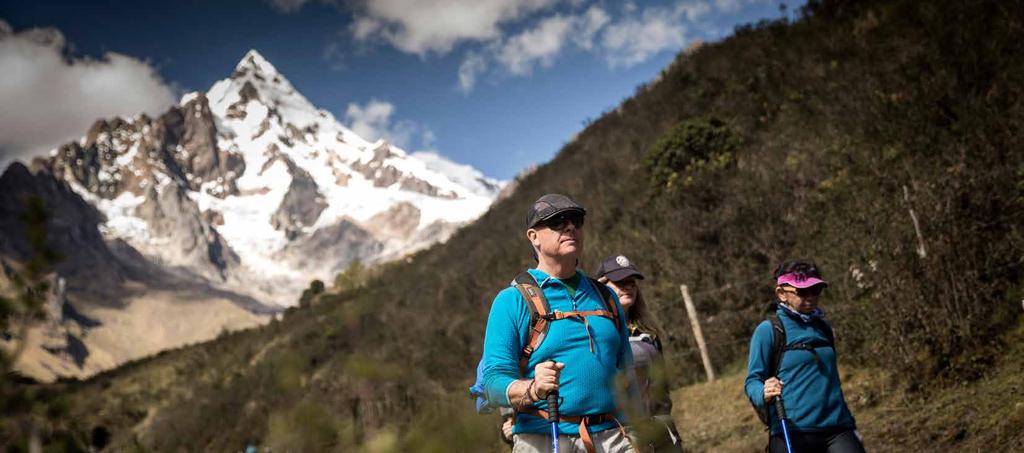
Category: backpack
[780,346]
[541,318]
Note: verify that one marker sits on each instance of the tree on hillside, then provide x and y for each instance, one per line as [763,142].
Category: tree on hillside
[32,418]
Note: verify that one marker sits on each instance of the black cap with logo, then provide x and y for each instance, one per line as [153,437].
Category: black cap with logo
[616,268]
[549,206]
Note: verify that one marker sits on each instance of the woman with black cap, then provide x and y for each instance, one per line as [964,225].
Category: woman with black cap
[801,369]
[655,428]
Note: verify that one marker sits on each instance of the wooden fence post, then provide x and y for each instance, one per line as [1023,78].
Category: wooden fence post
[697,333]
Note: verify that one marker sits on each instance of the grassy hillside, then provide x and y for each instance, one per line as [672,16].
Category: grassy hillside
[875,137]
[981,415]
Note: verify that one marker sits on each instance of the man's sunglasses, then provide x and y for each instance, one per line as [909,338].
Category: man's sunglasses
[804,292]
[559,221]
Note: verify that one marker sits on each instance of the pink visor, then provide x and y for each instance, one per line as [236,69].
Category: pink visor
[799,281]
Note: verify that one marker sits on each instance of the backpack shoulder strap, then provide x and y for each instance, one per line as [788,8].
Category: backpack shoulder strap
[606,296]
[778,347]
[540,319]
[778,344]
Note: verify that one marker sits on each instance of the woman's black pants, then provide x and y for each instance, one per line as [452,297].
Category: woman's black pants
[826,442]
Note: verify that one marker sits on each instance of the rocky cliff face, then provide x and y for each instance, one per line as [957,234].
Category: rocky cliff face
[301,205]
[398,223]
[332,247]
[71,229]
[151,166]
[189,240]
[191,130]
[120,155]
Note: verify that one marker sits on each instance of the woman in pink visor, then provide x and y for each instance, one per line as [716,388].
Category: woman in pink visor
[793,357]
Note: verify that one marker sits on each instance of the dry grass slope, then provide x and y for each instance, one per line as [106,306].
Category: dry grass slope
[981,415]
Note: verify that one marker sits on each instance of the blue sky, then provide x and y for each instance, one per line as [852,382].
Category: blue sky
[497,84]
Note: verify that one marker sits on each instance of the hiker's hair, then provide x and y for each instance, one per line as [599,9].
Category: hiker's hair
[638,314]
[803,268]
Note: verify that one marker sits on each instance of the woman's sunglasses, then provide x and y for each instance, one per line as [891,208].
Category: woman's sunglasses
[804,292]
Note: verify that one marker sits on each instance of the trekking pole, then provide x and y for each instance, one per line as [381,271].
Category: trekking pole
[781,411]
[553,417]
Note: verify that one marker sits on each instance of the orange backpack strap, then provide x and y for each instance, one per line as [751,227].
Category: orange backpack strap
[540,316]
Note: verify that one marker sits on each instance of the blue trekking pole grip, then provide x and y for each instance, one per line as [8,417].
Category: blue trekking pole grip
[552,400]
[781,411]
[553,419]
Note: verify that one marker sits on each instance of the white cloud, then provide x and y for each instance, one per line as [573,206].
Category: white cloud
[544,29]
[429,138]
[336,52]
[540,44]
[373,121]
[364,28]
[473,64]
[49,99]
[632,40]
[437,26]
[589,24]
[635,36]
[695,11]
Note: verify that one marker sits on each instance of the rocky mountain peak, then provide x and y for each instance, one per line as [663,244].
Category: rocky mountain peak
[254,63]
[255,78]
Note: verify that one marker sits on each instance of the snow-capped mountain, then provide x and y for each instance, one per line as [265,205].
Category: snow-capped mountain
[254,188]
[212,217]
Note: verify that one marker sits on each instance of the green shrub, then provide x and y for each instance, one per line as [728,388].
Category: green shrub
[701,145]
[316,288]
[353,277]
[306,427]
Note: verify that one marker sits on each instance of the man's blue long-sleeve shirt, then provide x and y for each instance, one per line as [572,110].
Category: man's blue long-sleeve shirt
[811,392]
[586,385]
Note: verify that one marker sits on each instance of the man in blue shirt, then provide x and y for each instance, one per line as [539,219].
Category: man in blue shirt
[581,353]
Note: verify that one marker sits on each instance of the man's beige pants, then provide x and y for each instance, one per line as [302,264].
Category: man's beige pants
[607,441]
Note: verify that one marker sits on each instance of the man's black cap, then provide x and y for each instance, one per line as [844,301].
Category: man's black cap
[616,268]
[550,205]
